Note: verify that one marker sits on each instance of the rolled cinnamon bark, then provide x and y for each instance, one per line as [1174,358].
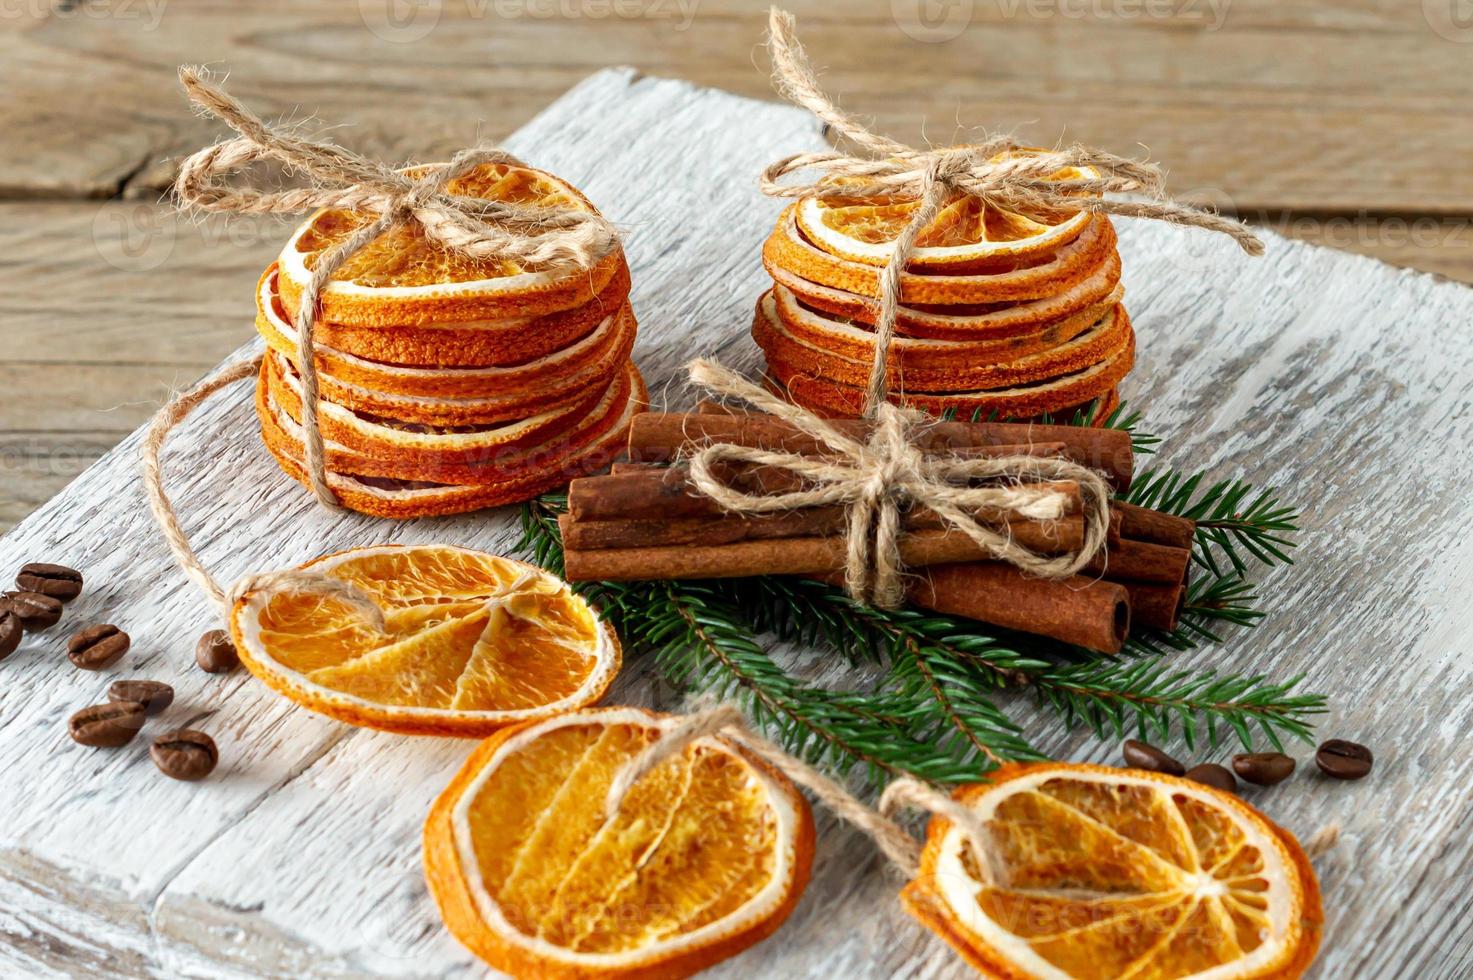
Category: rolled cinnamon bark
[1156,606]
[1143,524]
[741,559]
[657,493]
[660,436]
[1083,611]
[1141,561]
[1044,537]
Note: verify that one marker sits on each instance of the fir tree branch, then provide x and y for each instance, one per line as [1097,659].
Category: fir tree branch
[1225,524]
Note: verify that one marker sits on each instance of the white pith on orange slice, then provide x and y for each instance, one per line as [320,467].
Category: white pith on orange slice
[405,278]
[471,642]
[708,854]
[1095,873]
[967,230]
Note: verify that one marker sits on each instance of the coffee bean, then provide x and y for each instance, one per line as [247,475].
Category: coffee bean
[155,696]
[1344,760]
[1139,755]
[1211,774]
[57,581]
[1263,768]
[107,726]
[215,653]
[11,631]
[185,754]
[97,647]
[36,611]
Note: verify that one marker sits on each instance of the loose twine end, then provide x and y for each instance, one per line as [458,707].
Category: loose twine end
[898,846]
[1324,840]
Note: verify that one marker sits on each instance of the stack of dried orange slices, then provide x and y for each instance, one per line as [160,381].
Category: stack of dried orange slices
[1002,314]
[446,383]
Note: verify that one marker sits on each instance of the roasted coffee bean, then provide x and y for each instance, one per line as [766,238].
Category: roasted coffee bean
[97,647]
[57,581]
[36,611]
[1139,755]
[1263,768]
[107,726]
[215,653]
[10,632]
[155,696]
[1211,774]
[185,754]
[1344,760]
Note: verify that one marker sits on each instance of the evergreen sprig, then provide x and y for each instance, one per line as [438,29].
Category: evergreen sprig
[931,707]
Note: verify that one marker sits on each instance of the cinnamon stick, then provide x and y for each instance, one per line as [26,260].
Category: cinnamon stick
[1079,610]
[1141,561]
[784,556]
[1045,537]
[1156,606]
[666,493]
[660,436]
[1144,524]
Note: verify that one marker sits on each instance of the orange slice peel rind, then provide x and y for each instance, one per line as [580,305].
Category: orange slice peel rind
[1093,872]
[707,855]
[470,642]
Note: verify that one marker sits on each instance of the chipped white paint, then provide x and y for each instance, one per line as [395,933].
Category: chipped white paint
[1329,374]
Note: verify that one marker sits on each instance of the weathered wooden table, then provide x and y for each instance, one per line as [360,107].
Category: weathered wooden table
[1331,376]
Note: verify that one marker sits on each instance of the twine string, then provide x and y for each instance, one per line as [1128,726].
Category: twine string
[879,478]
[883,476]
[565,239]
[561,239]
[290,580]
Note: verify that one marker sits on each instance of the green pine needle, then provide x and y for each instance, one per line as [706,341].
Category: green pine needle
[934,713]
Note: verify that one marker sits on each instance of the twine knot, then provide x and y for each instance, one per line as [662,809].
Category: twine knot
[882,477]
[558,238]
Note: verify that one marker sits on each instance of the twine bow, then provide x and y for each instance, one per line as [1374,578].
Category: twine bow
[564,239]
[557,238]
[879,478]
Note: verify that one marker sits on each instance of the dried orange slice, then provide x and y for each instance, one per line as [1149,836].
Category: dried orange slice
[1007,279]
[404,278]
[787,332]
[435,394]
[508,343]
[967,231]
[418,484]
[814,390]
[970,322]
[707,855]
[471,642]
[1092,872]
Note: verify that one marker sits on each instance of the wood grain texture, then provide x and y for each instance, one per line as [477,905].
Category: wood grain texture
[1318,105]
[1326,374]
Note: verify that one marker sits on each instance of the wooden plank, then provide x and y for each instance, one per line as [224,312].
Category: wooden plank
[1316,106]
[300,857]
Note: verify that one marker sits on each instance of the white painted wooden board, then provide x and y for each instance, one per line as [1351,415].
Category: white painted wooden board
[1344,381]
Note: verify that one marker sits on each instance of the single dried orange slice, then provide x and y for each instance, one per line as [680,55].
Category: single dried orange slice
[707,855]
[967,231]
[1093,872]
[1004,280]
[404,278]
[470,642]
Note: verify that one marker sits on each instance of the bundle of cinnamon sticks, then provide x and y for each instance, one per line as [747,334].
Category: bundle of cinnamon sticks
[645,521]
